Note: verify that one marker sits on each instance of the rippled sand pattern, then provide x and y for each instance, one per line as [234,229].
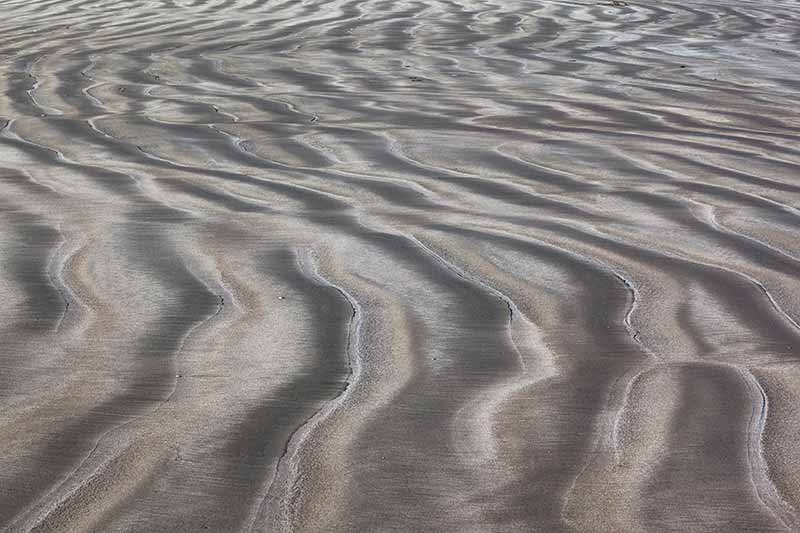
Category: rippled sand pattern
[387,265]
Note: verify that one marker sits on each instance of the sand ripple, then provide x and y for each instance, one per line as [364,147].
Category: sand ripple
[373,265]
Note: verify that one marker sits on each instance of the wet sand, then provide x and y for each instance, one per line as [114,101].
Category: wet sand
[370,265]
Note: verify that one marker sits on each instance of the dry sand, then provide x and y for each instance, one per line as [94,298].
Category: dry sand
[384,265]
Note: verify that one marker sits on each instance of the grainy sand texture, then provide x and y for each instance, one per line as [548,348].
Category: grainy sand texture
[399,265]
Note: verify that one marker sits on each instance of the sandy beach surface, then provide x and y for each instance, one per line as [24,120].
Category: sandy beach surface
[399,265]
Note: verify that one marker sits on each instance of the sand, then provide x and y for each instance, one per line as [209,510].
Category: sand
[338,265]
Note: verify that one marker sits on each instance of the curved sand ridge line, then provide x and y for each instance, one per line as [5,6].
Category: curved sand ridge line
[370,265]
